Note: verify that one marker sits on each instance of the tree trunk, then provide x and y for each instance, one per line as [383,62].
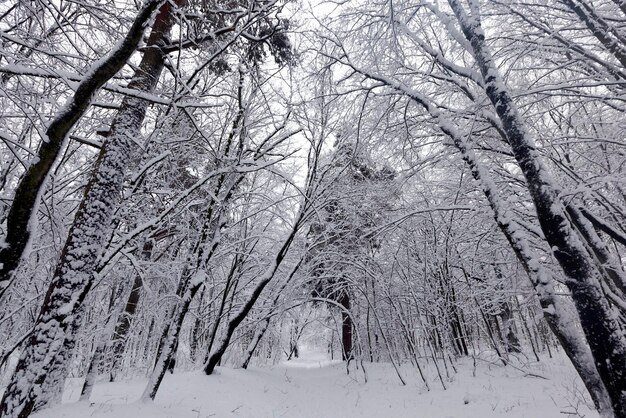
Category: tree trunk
[215,357]
[509,334]
[32,182]
[598,319]
[92,372]
[258,336]
[190,282]
[54,332]
[457,324]
[602,31]
[118,339]
[555,308]
[169,339]
[346,328]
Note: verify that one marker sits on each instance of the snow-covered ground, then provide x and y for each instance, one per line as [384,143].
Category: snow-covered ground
[313,386]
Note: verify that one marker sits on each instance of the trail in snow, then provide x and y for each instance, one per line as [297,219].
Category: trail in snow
[314,386]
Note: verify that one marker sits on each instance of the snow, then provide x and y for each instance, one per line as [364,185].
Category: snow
[315,386]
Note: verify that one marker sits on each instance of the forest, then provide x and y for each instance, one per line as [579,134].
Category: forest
[422,196]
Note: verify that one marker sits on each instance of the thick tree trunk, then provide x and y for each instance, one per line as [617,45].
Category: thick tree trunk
[346,328]
[597,317]
[555,308]
[32,182]
[41,367]
[605,262]
[610,39]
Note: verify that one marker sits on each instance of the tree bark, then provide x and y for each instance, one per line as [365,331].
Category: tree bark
[25,201]
[169,339]
[41,367]
[597,317]
[555,308]
[603,32]
[258,336]
[604,226]
[346,328]
[92,372]
[189,285]
[509,334]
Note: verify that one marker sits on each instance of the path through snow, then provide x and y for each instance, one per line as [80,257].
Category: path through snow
[314,386]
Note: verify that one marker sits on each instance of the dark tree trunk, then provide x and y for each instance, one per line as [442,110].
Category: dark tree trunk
[603,31]
[604,226]
[456,322]
[258,336]
[118,339]
[234,269]
[255,342]
[197,332]
[509,334]
[346,328]
[188,284]
[38,374]
[27,192]
[554,307]
[216,356]
[92,372]
[597,317]
[168,344]
[458,337]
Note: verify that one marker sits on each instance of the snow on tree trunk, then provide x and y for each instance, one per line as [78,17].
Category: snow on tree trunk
[555,308]
[260,332]
[43,362]
[598,319]
[92,372]
[25,201]
[600,29]
[193,276]
[258,336]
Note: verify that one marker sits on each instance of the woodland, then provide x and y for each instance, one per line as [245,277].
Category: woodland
[187,185]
